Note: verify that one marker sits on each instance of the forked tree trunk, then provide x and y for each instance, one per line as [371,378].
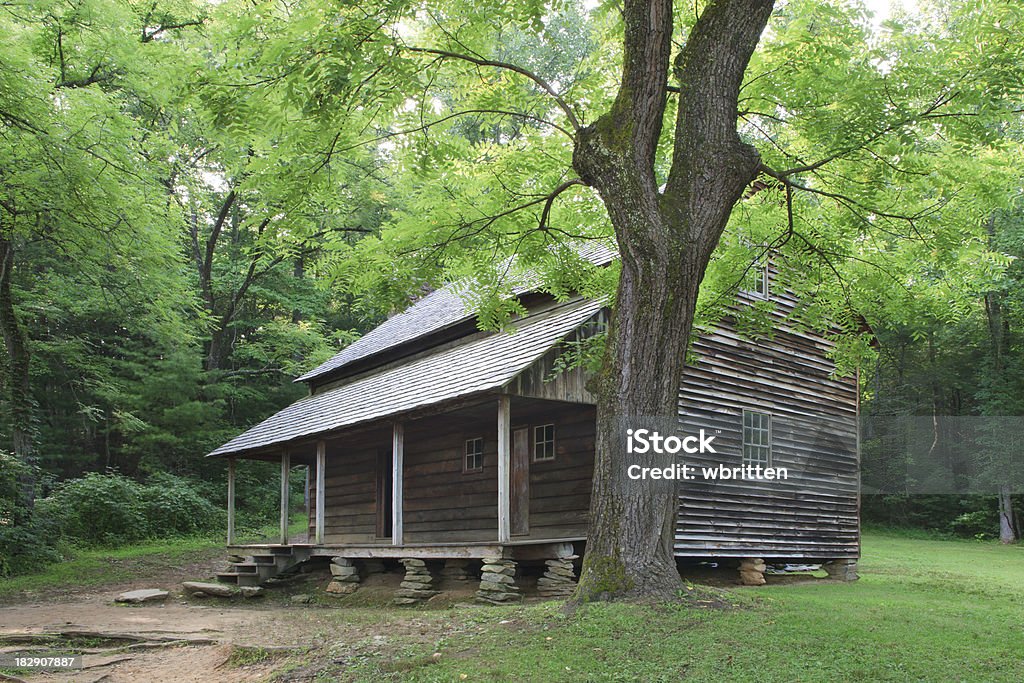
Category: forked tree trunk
[665,241]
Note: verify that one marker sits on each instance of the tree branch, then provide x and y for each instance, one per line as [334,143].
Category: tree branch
[540,82]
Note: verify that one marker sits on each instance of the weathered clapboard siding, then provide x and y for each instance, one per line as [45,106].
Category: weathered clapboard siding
[815,513]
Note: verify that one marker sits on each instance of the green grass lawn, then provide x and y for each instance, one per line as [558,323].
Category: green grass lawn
[923,611]
[100,566]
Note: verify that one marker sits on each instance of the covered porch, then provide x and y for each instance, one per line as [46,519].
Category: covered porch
[498,475]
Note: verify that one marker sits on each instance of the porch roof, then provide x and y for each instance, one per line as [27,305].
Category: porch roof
[479,365]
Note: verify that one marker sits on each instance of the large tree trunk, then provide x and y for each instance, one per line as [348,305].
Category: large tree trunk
[665,241]
[18,358]
[19,387]
[999,333]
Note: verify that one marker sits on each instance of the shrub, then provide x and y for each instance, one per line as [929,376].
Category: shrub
[27,547]
[174,506]
[27,539]
[98,509]
[982,524]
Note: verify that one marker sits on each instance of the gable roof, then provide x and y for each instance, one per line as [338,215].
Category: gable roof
[481,364]
[441,309]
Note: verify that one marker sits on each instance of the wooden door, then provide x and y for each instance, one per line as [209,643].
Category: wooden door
[519,482]
[384,493]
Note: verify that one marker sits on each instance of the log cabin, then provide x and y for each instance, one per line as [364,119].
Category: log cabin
[433,442]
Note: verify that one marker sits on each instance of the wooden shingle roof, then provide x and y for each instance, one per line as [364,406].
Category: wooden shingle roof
[438,310]
[480,364]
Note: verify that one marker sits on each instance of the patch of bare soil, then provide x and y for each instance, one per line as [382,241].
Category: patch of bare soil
[187,639]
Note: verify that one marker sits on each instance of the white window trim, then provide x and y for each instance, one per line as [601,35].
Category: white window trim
[762,269]
[743,437]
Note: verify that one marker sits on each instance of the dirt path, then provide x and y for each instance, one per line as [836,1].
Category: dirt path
[187,639]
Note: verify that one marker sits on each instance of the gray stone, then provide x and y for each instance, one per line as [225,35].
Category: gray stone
[143,595]
[417,585]
[410,593]
[496,578]
[251,591]
[342,588]
[412,562]
[341,561]
[490,586]
[497,569]
[558,571]
[841,570]
[348,579]
[348,570]
[301,599]
[499,598]
[405,601]
[218,590]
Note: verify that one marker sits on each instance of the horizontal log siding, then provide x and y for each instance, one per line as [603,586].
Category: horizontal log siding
[350,481]
[560,488]
[815,513]
[443,503]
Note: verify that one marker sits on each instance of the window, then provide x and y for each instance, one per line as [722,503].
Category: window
[544,442]
[757,439]
[755,281]
[474,461]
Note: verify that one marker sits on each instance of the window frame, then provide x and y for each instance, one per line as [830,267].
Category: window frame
[478,455]
[761,271]
[763,415]
[548,455]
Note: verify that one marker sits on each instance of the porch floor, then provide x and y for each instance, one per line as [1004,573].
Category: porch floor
[514,549]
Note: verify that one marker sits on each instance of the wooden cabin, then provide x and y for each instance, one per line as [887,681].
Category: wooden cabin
[428,438]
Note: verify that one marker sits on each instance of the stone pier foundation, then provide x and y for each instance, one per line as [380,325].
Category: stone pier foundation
[559,580]
[418,584]
[498,582]
[841,570]
[456,570]
[752,571]
[344,575]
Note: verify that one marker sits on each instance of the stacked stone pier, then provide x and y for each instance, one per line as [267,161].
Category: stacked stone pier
[344,575]
[559,579]
[498,582]
[418,584]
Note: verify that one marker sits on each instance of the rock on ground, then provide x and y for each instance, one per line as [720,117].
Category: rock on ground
[142,595]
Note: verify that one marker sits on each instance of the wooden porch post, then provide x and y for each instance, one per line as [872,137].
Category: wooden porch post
[321,466]
[504,467]
[397,465]
[286,466]
[231,501]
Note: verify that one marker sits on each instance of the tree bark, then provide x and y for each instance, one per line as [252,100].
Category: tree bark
[999,333]
[18,378]
[1007,521]
[665,241]
[18,358]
